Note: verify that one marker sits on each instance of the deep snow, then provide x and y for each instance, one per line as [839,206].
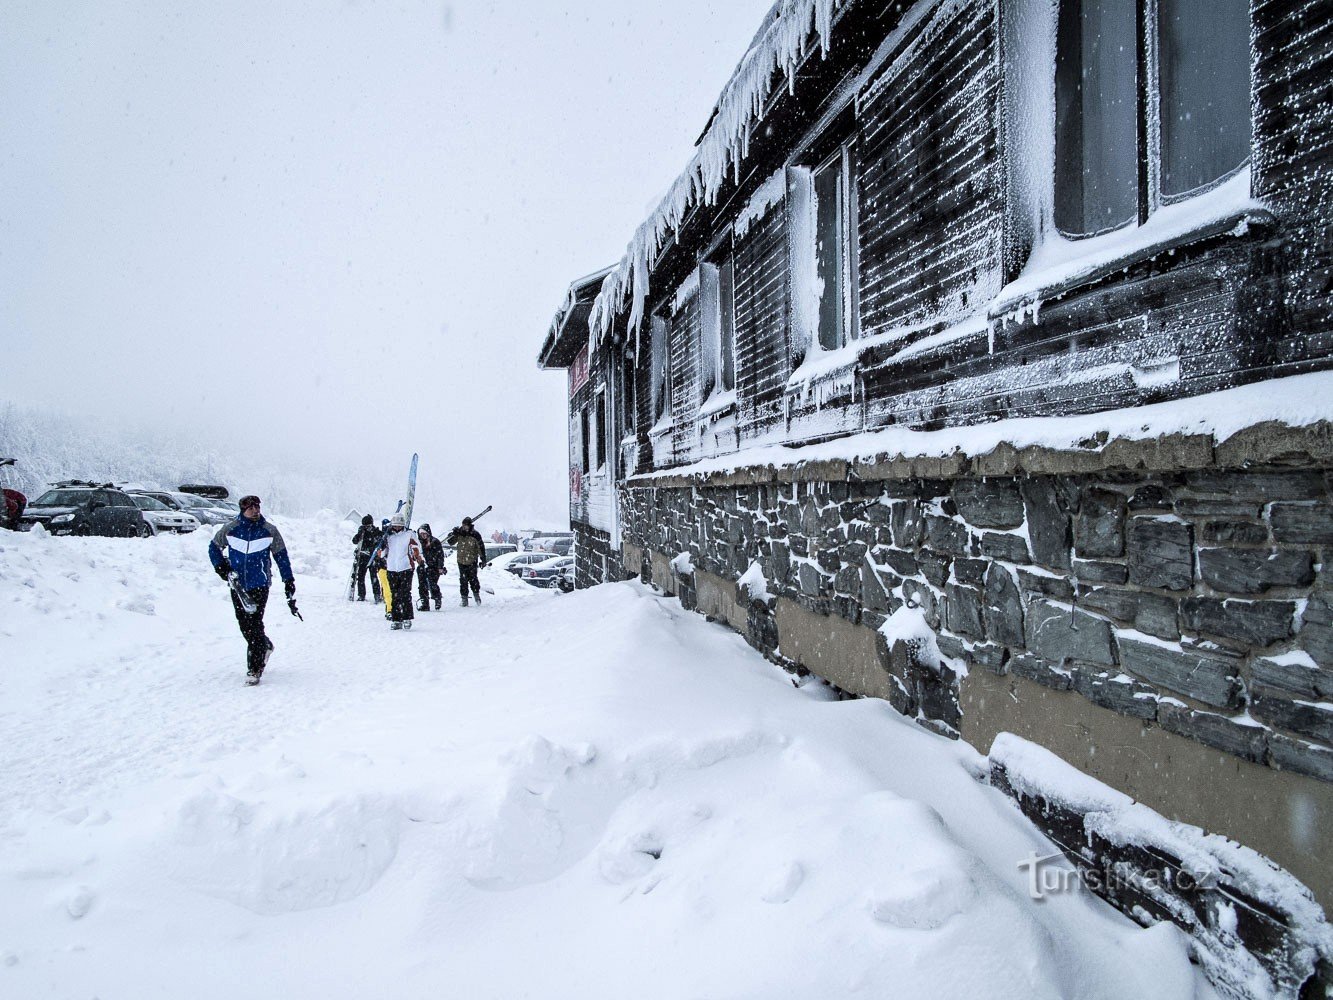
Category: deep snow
[593,795]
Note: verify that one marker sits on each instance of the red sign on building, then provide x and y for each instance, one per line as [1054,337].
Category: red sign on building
[575,484]
[578,371]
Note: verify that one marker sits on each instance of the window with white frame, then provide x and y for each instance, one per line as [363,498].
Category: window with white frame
[717,280]
[824,248]
[600,430]
[584,440]
[1152,106]
[628,417]
[660,373]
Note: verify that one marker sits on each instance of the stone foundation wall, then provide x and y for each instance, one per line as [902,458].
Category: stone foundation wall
[1193,606]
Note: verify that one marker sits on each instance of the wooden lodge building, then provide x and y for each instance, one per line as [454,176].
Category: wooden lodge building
[980,361]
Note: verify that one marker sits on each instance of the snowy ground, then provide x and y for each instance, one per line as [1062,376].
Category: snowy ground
[593,795]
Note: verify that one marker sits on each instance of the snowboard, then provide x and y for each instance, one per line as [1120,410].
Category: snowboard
[411,492]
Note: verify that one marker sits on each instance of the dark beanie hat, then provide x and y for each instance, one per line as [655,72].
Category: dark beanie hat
[425,528]
[367,520]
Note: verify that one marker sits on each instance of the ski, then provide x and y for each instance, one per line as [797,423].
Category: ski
[411,492]
[234,581]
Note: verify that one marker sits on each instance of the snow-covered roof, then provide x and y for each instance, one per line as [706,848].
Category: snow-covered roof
[568,330]
[779,48]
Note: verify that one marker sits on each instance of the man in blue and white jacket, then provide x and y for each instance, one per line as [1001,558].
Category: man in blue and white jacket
[250,543]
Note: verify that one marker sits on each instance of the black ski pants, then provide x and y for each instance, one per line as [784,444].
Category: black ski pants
[252,628]
[400,591]
[467,577]
[428,583]
[362,567]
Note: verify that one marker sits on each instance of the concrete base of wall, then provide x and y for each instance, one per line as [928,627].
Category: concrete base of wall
[1281,815]
[847,655]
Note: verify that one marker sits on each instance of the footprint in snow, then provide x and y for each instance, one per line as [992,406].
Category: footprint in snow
[79,902]
[784,885]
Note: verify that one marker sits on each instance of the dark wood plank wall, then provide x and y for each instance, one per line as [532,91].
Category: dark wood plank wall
[762,349]
[1210,314]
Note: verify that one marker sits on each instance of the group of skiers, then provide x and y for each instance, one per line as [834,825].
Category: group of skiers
[244,549]
[391,554]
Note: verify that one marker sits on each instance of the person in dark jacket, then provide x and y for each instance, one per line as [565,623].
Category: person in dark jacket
[366,540]
[430,571]
[252,545]
[470,549]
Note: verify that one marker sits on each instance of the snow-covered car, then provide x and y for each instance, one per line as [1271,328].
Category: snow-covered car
[550,572]
[163,518]
[189,503]
[86,509]
[517,562]
[561,544]
[494,550]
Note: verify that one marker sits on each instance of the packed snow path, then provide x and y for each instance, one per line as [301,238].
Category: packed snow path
[593,795]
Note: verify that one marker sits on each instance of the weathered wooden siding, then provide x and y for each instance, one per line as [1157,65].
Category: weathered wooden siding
[762,344]
[930,185]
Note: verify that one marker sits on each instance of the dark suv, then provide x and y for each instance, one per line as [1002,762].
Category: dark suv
[80,508]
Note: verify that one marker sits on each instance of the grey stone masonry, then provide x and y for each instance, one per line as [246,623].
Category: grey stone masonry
[1194,601]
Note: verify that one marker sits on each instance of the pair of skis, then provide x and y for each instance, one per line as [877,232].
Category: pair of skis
[247,602]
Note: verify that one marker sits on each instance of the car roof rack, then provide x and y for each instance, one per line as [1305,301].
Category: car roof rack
[67,483]
[204,490]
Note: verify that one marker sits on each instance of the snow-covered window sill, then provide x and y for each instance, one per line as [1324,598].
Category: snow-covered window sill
[718,404]
[1058,265]
[663,426]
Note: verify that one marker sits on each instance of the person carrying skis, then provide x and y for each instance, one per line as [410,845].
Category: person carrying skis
[366,540]
[402,555]
[430,570]
[470,549]
[250,543]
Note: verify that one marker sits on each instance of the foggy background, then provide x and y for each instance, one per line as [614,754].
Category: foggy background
[317,237]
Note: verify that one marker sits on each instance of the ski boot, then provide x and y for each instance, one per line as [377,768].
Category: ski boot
[477,597]
[407,624]
[437,604]
[395,625]
[465,602]
[422,606]
[251,678]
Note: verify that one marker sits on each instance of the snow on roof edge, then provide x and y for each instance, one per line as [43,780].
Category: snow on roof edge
[723,146]
[1296,401]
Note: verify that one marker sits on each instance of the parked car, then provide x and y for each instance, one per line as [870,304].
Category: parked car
[517,562]
[562,544]
[496,549]
[549,572]
[163,518]
[205,513]
[81,508]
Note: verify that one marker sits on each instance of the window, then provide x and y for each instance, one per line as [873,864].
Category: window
[661,370]
[823,247]
[600,430]
[718,290]
[629,419]
[583,453]
[1152,105]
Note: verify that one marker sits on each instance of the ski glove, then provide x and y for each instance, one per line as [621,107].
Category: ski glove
[223,569]
[290,588]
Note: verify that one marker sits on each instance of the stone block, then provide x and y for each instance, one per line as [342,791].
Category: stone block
[962,611]
[1195,507]
[880,513]
[1099,525]
[1034,668]
[1258,623]
[1116,692]
[1152,496]
[810,580]
[1058,633]
[1048,523]
[1006,548]
[1302,524]
[1208,679]
[1234,533]
[950,646]
[1255,571]
[847,580]
[854,552]
[1100,572]
[944,534]
[1300,757]
[1031,582]
[1154,614]
[907,523]
[1313,719]
[1297,679]
[1003,613]
[989,503]
[1217,731]
[934,566]
[989,655]
[902,563]
[920,595]
[1161,553]
[876,587]
[1263,487]
[828,559]
[970,572]
[799,545]
[1316,635]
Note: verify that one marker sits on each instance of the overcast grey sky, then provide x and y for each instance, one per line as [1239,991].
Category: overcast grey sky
[339,228]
